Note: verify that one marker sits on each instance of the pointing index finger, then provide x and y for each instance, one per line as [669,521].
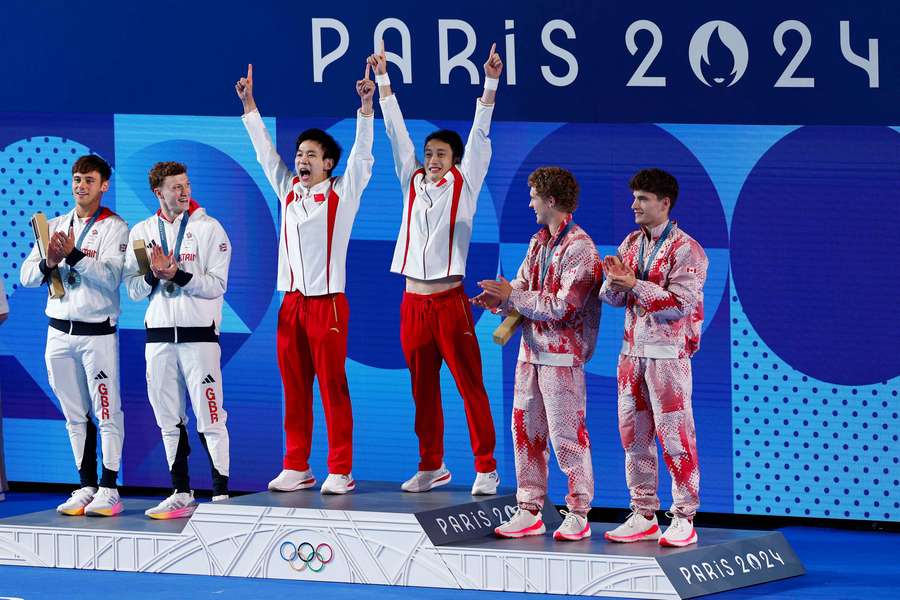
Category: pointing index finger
[366,76]
[493,48]
[250,72]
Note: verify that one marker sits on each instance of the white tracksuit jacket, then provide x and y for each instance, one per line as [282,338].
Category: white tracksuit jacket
[315,222]
[205,256]
[97,297]
[434,236]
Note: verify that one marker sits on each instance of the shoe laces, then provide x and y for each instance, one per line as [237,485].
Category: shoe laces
[634,515]
[175,500]
[521,511]
[571,519]
[679,522]
[82,491]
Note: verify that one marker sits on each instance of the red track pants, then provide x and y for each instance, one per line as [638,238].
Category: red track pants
[312,342]
[435,328]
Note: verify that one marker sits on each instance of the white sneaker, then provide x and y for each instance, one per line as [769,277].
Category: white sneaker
[486,484]
[177,506]
[636,528]
[680,533]
[423,481]
[106,503]
[338,484]
[220,497]
[74,506]
[574,527]
[521,524]
[290,481]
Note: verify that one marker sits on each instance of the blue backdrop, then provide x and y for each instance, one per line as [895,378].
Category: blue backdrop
[788,158]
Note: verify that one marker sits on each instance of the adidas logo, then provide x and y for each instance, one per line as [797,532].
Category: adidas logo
[101,375]
[208,379]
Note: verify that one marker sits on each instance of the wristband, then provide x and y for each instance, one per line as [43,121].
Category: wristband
[491,83]
[382,79]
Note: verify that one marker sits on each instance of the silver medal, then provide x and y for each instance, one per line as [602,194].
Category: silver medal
[73,279]
[170,290]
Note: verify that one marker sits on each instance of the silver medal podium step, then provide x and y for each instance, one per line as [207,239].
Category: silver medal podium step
[381,535]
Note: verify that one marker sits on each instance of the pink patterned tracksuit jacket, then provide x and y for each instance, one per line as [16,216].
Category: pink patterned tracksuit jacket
[663,321]
[559,331]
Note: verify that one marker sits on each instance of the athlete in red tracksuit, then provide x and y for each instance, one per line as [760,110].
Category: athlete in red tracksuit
[555,291]
[317,214]
[658,276]
[436,324]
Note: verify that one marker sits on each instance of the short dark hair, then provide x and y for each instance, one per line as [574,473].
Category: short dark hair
[656,181]
[556,182]
[330,148]
[161,170]
[92,162]
[448,136]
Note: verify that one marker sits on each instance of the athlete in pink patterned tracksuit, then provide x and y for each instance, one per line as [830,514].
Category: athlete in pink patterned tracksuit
[658,276]
[555,291]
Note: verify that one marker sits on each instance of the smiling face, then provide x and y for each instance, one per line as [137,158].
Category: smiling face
[649,209]
[438,159]
[310,163]
[542,207]
[174,195]
[88,189]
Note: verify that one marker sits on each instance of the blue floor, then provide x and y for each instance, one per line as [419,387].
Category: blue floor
[840,565]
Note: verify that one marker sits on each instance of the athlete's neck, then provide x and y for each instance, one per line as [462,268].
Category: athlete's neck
[83,212]
[654,230]
[555,223]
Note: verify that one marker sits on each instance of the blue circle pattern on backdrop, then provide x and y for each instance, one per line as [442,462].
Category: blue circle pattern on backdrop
[35,175]
[815,249]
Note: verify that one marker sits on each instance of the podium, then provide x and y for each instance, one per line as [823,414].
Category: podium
[381,535]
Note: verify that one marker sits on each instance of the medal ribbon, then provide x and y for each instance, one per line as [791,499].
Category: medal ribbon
[87,227]
[644,269]
[547,252]
[178,240]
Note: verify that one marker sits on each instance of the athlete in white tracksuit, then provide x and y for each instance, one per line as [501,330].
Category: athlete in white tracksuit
[182,322]
[82,352]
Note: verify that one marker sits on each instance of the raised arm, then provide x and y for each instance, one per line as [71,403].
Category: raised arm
[360,160]
[278,173]
[405,163]
[477,156]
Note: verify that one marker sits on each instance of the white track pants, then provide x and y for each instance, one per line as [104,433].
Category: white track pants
[194,367]
[84,374]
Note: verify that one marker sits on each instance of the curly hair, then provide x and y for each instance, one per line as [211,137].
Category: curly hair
[161,170]
[656,181]
[556,182]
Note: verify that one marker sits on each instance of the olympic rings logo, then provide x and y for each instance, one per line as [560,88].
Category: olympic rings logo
[305,555]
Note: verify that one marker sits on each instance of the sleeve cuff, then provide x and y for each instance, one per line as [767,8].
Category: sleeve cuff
[74,257]
[182,278]
[45,270]
[151,280]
